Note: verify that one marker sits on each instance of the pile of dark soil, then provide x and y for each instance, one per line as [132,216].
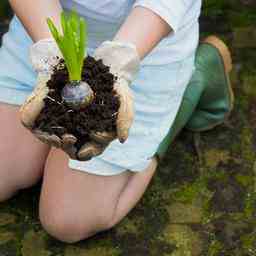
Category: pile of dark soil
[58,118]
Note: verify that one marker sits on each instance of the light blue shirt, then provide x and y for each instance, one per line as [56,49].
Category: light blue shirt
[104,18]
[158,90]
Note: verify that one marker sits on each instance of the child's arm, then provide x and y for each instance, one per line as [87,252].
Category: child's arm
[33,15]
[143,28]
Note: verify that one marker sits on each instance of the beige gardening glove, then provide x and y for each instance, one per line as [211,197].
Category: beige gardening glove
[44,55]
[123,61]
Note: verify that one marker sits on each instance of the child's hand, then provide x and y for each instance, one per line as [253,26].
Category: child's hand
[124,64]
[123,60]
[44,55]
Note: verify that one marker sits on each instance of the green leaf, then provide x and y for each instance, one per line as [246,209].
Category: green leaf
[53,29]
[63,22]
[83,42]
[72,43]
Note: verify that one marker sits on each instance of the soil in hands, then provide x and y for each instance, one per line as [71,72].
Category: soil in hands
[101,115]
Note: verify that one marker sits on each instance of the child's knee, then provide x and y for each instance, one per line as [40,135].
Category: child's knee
[61,228]
[70,229]
[65,230]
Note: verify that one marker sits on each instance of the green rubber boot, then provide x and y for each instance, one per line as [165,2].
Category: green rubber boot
[209,98]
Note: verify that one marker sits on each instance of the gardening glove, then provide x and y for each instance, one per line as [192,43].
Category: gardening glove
[124,62]
[44,55]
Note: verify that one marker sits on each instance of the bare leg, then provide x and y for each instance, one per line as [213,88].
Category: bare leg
[133,192]
[22,157]
[75,205]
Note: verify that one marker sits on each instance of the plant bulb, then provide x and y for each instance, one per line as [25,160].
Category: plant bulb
[77,94]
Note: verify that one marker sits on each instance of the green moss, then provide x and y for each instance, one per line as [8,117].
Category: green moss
[250,205]
[184,213]
[187,193]
[6,219]
[236,13]
[249,243]
[187,242]
[35,243]
[130,225]
[241,19]
[213,157]
[96,251]
[215,248]
[244,180]
[247,147]
[6,237]
[10,249]
[244,37]
[248,82]
[214,7]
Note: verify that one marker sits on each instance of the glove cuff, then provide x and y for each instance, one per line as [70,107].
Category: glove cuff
[44,55]
[121,57]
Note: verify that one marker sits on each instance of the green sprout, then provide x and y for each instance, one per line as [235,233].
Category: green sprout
[72,43]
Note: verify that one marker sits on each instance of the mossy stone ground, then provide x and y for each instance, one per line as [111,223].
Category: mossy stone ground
[201,202]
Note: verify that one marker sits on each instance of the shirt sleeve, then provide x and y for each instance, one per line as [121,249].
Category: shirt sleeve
[171,11]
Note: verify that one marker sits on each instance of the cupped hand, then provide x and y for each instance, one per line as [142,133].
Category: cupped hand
[123,61]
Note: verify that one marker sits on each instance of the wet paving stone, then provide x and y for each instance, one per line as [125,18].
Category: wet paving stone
[228,196]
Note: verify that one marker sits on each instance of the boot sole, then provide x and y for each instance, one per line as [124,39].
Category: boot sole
[227,63]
